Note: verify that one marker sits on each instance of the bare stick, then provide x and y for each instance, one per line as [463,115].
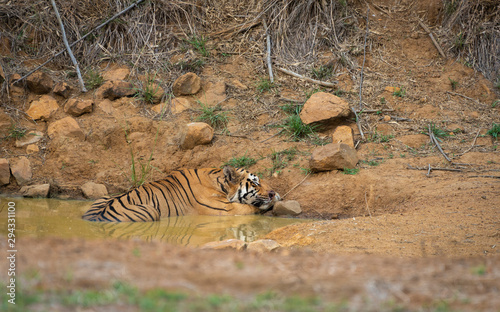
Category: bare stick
[465,97]
[272,136]
[321,83]
[364,59]
[484,176]
[77,41]
[436,44]
[268,55]
[434,168]
[70,53]
[296,185]
[429,171]
[367,208]
[435,141]
[473,143]
[358,122]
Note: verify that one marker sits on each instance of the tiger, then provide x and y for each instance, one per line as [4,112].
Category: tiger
[205,191]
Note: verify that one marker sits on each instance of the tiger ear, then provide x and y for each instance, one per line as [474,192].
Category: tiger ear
[230,174]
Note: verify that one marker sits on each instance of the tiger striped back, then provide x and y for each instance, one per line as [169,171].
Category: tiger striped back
[207,191]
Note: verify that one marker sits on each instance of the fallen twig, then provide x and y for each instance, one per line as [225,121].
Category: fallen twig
[268,54]
[272,136]
[68,48]
[364,59]
[473,143]
[484,176]
[296,185]
[358,123]
[235,29]
[435,141]
[82,38]
[321,83]
[433,168]
[465,97]
[436,44]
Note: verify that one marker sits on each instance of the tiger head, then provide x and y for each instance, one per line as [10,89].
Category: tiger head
[246,188]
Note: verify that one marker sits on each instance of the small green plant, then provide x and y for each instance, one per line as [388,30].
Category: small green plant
[350,171]
[495,103]
[339,93]
[191,65]
[16,132]
[382,100]
[264,85]
[459,42]
[296,129]
[214,116]
[322,72]
[454,83]
[93,79]
[291,107]
[377,137]
[401,92]
[149,91]
[281,159]
[479,270]
[241,162]
[199,44]
[494,131]
[438,132]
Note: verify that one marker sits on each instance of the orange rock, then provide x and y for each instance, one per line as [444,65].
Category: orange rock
[322,107]
[343,134]
[43,108]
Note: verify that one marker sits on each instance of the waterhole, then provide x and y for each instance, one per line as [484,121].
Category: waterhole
[44,217]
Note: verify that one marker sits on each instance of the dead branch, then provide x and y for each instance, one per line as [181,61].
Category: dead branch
[82,38]
[465,97]
[321,83]
[484,176]
[68,48]
[436,44]
[426,168]
[473,143]
[268,54]
[435,141]
[358,123]
[235,29]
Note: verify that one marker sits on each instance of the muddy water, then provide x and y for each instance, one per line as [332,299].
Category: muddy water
[62,218]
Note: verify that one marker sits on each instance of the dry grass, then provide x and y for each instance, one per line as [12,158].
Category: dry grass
[472,32]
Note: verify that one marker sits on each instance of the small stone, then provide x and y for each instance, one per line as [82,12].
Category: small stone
[4,171]
[39,82]
[324,107]
[93,190]
[186,84]
[63,89]
[333,156]
[40,190]
[115,89]
[21,170]
[226,244]
[32,148]
[30,137]
[196,133]
[238,84]
[387,118]
[77,107]
[119,73]
[287,208]
[180,105]
[392,89]
[343,134]
[43,108]
[67,127]
[263,245]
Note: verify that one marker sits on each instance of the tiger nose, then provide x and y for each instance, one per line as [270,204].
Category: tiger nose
[272,194]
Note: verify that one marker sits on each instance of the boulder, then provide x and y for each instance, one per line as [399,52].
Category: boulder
[226,244]
[40,190]
[263,245]
[343,134]
[39,82]
[66,127]
[186,84]
[93,190]
[77,107]
[287,208]
[324,107]
[43,108]
[333,156]
[30,137]
[63,89]
[115,89]
[4,171]
[196,133]
[21,170]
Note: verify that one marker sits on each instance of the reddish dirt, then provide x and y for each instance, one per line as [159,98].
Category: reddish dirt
[387,233]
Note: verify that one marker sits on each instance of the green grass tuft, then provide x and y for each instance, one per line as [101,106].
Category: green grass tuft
[214,116]
[92,79]
[241,162]
[494,131]
[199,44]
